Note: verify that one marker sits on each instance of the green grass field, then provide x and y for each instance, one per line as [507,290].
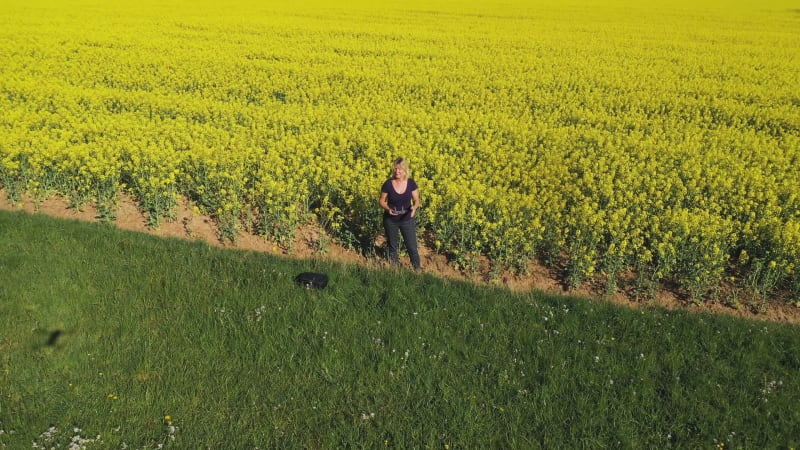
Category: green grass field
[111,339]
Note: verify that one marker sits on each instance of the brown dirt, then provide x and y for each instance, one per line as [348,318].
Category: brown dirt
[191,226]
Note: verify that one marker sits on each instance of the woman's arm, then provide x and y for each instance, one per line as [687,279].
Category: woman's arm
[384,202]
[414,202]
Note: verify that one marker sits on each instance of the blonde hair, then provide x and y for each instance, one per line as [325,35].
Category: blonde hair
[402,162]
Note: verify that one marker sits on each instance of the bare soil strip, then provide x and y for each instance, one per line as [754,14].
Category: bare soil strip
[191,226]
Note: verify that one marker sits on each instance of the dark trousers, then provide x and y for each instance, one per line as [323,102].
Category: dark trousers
[406,226]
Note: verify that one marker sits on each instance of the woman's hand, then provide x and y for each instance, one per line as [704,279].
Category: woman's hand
[414,202]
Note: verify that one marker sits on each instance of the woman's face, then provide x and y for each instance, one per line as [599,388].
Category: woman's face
[399,172]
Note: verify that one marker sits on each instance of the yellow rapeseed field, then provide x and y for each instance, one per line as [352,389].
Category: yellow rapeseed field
[607,136]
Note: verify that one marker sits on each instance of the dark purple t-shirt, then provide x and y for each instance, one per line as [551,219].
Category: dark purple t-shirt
[399,202]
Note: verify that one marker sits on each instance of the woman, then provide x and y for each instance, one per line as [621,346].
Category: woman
[400,200]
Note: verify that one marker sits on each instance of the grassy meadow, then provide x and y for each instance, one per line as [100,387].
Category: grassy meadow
[112,339]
